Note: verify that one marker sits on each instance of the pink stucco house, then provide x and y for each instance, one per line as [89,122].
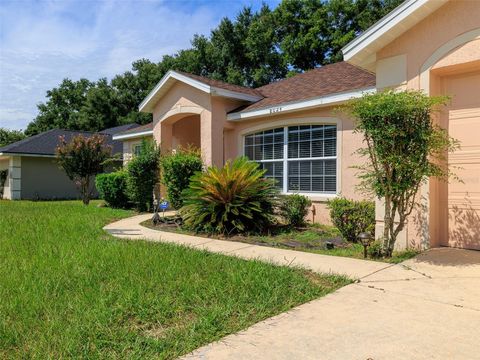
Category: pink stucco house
[290,126]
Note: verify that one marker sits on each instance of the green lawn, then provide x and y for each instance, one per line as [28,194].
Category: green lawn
[68,290]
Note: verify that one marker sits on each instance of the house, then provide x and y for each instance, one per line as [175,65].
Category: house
[291,128]
[32,170]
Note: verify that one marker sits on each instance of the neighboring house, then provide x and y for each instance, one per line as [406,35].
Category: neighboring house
[292,129]
[32,170]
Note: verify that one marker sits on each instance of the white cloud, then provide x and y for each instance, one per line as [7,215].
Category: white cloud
[44,42]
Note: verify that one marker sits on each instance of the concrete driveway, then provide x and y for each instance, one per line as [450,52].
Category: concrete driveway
[425,308]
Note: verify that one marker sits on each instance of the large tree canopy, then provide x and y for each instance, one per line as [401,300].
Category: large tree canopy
[253,49]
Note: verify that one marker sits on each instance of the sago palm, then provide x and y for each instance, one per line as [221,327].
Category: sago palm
[233,199]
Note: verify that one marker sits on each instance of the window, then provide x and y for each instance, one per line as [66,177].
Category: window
[300,158]
[137,149]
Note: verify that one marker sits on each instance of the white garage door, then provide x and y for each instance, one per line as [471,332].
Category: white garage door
[464,125]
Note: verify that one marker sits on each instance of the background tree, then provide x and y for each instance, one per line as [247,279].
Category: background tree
[253,49]
[403,149]
[10,136]
[82,158]
[62,109]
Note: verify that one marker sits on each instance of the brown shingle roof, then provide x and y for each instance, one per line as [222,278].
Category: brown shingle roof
[222,85]
[325,80]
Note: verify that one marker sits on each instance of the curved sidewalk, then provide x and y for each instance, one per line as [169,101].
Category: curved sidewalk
[353,268]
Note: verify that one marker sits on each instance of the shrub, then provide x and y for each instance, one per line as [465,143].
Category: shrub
[375,250]
[177,169]
[233,199]
[112,188]
[143,174]
[294,208]
[352,217]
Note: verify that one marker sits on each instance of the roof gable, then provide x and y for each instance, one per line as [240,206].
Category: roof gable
[209,86]
[361,51]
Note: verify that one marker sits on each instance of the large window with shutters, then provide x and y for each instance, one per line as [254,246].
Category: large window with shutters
[300,158]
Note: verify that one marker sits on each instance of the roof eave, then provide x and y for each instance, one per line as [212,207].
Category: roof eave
[362,50]
[12,153]
[321,101]
[172,76]
[133,135]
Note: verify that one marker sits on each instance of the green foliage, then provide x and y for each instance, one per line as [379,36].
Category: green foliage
[112,188]
[63,107]
[3,178]
[233,199]
[143,174]
[177,169]
[10,136]
[82,158]
[352,217]
[375,250]
[294,208]
[253,49]
[312,33]
[403,149]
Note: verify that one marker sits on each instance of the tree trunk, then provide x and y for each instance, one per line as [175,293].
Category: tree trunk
[86,191]
[387,223]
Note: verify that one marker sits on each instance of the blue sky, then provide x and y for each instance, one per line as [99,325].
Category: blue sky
[42,42]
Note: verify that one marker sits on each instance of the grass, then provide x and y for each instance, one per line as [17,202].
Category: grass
[68,290]
[312,238]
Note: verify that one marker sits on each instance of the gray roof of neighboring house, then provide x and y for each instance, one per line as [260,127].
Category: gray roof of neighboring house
[138,129]
[46,142]
[119,129]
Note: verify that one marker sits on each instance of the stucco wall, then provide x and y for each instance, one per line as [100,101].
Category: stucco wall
[421,41]
[42,179]
[186,132]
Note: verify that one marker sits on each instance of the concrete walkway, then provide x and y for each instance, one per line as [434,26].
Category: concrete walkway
[353,268]
[424,308]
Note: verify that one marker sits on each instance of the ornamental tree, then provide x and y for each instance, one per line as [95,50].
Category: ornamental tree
[404,147]
[82,158]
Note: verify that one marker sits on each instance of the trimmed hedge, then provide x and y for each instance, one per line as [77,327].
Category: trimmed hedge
[143,173]
[352,217]
[112,188]
[177,170]
[293,209]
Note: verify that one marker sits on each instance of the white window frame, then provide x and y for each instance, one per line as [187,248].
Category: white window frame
[315,196]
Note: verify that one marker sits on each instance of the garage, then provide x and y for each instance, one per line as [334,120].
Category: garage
[464,125]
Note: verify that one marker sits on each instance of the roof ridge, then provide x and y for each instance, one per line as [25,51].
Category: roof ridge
[211,79]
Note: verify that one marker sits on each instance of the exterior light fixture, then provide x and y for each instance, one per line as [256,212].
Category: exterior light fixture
[365,239]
